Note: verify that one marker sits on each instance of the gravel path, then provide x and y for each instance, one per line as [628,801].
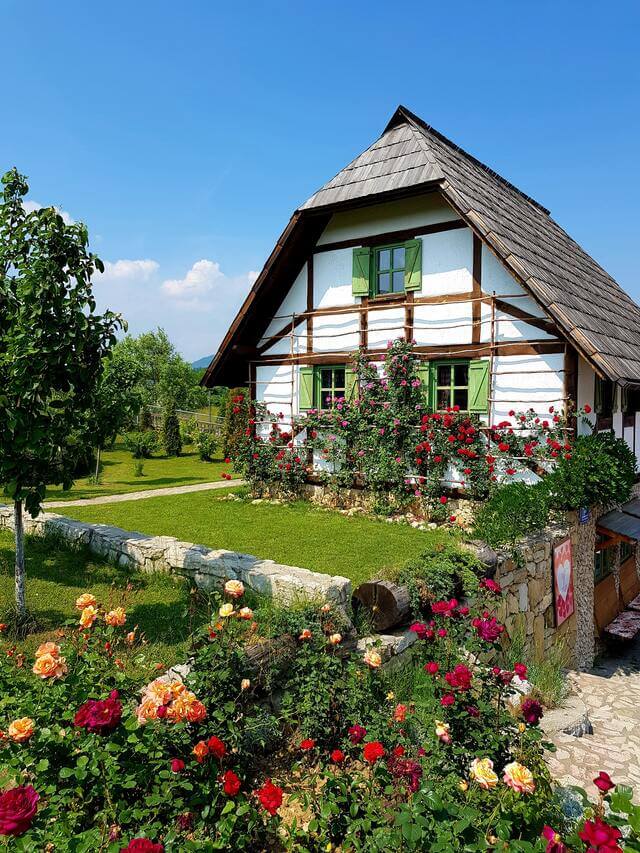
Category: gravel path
[149,493]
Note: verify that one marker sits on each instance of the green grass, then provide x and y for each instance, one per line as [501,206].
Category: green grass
[161,605]
[117,475]
[296,534]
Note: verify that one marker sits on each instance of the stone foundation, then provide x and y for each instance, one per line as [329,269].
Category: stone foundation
[207,568]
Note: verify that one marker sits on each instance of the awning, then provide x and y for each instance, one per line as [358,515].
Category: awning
[623,523]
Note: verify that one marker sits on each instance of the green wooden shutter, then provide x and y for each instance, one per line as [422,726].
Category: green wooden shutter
[305,395]
[413,265]
[424,374]
[361,272]
[350,382]
[479,386]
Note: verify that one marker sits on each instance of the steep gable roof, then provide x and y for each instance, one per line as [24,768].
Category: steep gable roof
[587,304]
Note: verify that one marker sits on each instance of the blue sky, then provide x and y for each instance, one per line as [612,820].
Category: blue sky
[185,135]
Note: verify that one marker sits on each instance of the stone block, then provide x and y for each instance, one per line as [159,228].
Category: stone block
[523,597]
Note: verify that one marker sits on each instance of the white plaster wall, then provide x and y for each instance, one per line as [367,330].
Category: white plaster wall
[496,279]
[385,325]
[637,447]
[447,263]
[392,216]
[515,379]
[440,324]
[509,328]
[332,272]
[295,302]
[273,387]
[586,392]
[336,333]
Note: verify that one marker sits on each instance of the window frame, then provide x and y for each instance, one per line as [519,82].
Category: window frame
[433,383]
[605,570]
[318,387]
[631,551]
[375,271]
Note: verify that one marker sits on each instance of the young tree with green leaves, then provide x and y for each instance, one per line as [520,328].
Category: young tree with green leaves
[52,345]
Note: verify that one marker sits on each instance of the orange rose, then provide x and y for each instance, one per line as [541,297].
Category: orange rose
[116,617]
[335,639]
[200,750]
[21,730]
[48,648]
[196,712]
[48,666]
[85,600]
[234,588]
[88,616]
[147,710]
[305,634]
[245,613]
[131,637]
[372,658]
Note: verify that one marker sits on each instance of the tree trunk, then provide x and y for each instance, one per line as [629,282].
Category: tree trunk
[21,605]
[388,603]
[97,465]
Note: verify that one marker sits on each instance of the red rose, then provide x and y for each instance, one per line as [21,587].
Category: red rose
[447,699]
[373,751]
[460,677]
[587,408]
[337,756]
[603,782]
[431,667]
[356,733]
[270,797]
[18,807]
[531,711]
[230,783]
[600,836]
[554,844]
[520,670]
[177,765]
[443,500]
[216,747]
[99,716]
[142,845]
[307,744]
[399,751]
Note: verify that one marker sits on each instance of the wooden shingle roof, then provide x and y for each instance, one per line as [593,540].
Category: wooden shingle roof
[410,157]
[583,299]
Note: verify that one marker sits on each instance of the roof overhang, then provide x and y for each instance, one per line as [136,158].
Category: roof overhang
[621,524]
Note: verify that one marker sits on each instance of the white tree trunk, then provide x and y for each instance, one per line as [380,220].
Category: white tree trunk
[97,465]
[21,605]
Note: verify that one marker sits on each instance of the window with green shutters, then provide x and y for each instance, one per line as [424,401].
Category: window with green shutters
[457,382]
[322,385]
[386,270]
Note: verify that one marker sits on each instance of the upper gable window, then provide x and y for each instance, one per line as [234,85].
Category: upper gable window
[389,269]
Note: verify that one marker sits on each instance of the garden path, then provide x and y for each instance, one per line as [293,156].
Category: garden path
[611,693]
[149,493]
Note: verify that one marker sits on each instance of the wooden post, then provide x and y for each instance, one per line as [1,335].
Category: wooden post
[21,605]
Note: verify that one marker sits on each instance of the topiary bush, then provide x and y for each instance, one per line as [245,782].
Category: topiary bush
[207,444]
[141,445]
[171,438]
[601,469]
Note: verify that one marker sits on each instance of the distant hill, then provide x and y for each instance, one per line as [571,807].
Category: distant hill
[205,361]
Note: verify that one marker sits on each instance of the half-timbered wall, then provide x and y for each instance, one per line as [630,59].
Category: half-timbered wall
[469,306]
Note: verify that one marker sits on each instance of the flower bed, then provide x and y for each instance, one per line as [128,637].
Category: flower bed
[435,756]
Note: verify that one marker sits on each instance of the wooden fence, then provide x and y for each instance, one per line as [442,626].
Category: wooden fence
[204,422]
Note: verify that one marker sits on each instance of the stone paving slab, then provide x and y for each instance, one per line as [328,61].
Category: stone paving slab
[611,694]
[148,493]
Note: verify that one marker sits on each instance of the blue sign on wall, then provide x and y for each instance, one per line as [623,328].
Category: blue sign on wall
[584,515]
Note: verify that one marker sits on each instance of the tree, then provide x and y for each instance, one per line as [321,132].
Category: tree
[52,345]
[171,437]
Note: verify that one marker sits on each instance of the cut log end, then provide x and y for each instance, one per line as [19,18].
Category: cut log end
[387,603]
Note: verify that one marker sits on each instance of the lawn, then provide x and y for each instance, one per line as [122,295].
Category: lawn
[159,604]
[118,476]
[296,534]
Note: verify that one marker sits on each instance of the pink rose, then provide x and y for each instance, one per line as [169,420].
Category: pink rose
[18,807]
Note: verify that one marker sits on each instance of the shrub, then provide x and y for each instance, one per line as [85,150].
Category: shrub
[236,416]
[601,469]
[440,573]
[171,433]
[142,445]
[189,430]
[207,444]
[511,512]
[138,468]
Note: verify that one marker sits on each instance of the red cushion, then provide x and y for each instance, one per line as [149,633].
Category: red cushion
[625,626]
[635,604]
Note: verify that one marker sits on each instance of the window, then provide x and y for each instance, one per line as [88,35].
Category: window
[450,385]
[390,266]
[627,550]
[603,562]
[604,397]
[330,383]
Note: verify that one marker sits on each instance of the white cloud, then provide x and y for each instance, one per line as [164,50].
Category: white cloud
[132,271]
[30,206]
[200,279]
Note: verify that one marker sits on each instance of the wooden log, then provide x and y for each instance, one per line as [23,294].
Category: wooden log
[388,603]
[265,655]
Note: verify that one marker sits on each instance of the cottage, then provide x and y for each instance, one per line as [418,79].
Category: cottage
[417,238]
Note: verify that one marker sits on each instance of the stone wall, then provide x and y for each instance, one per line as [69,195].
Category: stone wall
[526,577]
[208,568]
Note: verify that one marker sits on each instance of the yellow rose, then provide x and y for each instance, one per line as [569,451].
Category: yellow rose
[234,588]
[482,772]
[463,785]
[245,684]
[116,617]
[48,666]
[372,658]
[88,616]
[443,731]
[85,600]
[519,777]
[225,610]
[48,648]
[22,729]
[334,639]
